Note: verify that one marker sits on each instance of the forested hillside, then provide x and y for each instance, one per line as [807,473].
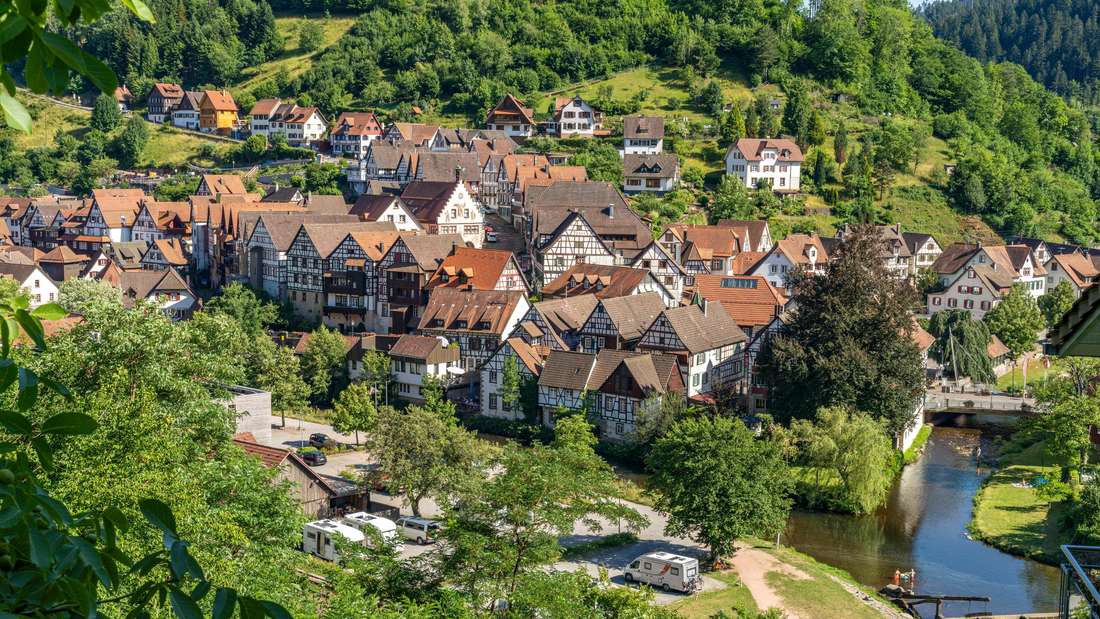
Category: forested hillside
[907,102]
[1058,42]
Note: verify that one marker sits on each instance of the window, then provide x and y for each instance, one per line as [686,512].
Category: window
[952,303]
[695,380]
[492,378]
[675,571]
[647,565]
[985,305]
[492,401]
[936,300]
[37,283]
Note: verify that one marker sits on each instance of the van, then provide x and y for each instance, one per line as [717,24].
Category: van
[385,527]
[422,530]
[665,570]
[318,538]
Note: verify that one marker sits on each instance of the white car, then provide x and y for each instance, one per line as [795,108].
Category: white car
[490,237]
[421,530]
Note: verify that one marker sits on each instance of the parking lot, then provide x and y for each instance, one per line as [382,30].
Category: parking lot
[650,539]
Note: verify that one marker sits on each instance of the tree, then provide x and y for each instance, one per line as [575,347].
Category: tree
[324,363]
[853,447]
[731,200]
[718,483]
[1068,408]
[510,524]
[1056,302]
[276,369]
[857,356]
[105,114]
[601,160]
[711,99]
[733,125]
[962,345]
[355,410]
[240,302]
[815,135]
[311,36]
[797,111]
[510,383]
[1016,320]
[76,294]
[840,143]
[129,146]
[423,454]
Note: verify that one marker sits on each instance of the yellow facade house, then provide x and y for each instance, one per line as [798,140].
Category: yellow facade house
[217,112]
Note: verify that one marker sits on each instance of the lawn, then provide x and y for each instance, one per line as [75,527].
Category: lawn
[703,605]
[1036,370]
[167,146]
[820,596]
[294,60]
[1010,515]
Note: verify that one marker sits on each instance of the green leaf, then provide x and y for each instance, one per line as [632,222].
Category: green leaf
[224,601]
[200,590]
[91,558]
[139,8]
[31,327]
[49,311]
[40,548]
[44,451]
[15,115]
[28,389]
[82,62]
[274,610]
[56,387]
[12,26]
[183,606]
[8,374]
[183,563]
[158,514]
[35,71]
[69,423]
[250,608]
[117,518]
[16,423]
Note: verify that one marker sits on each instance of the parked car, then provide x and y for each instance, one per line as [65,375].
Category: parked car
[665,570]
[422,530]
[312,456]
[490,237]
[320,439]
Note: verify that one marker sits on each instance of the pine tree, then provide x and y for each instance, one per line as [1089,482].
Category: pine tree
[840,144]
[106,115]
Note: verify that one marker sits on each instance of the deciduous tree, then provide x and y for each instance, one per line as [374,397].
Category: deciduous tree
[962,345]
[356,410]
[718,483]
[1056,302]
[1016,320]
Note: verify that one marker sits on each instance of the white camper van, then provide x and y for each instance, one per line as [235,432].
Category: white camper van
[318,538]
[665,570]
[385,527]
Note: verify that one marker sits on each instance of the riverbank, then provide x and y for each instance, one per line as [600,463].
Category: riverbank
[764,577]
[1009,513]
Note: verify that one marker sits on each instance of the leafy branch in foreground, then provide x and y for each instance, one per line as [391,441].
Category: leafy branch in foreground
[56,563]
[28,30]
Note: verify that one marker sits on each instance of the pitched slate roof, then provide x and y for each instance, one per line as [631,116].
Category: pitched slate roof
[632,315]
[20,272]
[651,166]
[471,269]
[429,250]
[427,199]
[567,314]
[576,195]
[191,101]
[621,229]
[283,227]
[643,127]
[423,348]
[915,240]
[567,370]
[483,311]
[443,167]
[603,281]
[701,330]
[326,237]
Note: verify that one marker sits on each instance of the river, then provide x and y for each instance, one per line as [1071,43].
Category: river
[923,527]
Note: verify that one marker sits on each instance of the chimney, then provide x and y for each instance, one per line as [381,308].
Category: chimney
[706,307]
[458,173]
[276,185]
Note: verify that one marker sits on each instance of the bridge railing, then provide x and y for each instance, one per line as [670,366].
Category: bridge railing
[973,401]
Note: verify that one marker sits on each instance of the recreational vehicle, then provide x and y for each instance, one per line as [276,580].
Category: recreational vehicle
[319,538]
[665,570]
[385,527]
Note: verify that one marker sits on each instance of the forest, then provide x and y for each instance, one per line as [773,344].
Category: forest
[1057,42]
[1024,157]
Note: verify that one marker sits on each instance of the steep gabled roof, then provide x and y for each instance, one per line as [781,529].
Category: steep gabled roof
[220,100]
[477,311]
[751,300]
[632,315]
[567,370]
[1080,270]
[702,329]
[651,166]
[604,281]
[644,127]
[423,348]
[224,183]
[469,268]
[511,109]
[429,250]
[752,149]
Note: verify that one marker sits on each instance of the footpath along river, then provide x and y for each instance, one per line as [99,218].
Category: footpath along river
[923,527]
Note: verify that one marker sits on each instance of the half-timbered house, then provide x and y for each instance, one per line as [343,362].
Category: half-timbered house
[708,345]
[619,322]
[469,268]
[477,320]
[528,360]
[664,268]
[402,275]
[415,357]
[607,282]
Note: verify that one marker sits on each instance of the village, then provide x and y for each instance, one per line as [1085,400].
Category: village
[472,263]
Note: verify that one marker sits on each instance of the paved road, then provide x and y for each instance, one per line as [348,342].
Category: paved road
[650,538]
